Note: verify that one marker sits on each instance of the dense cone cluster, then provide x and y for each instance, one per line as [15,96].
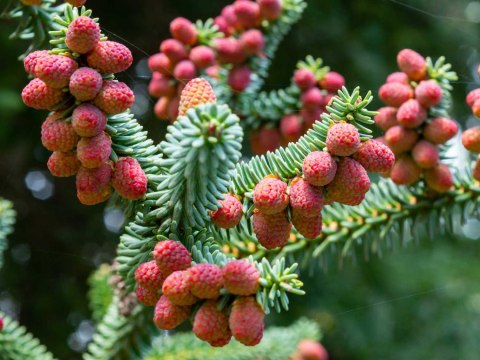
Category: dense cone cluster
[189,54]
[317,87]
[471,137]
[336,175]
[411,130]
[177,289]
[78,89]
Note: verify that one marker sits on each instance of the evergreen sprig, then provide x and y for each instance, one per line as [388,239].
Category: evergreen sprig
[100,293]
[201,150]
[7,221]
[118,337]
[34,23]
[18,344]
[278,343]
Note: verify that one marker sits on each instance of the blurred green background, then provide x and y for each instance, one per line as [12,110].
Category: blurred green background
[416,303]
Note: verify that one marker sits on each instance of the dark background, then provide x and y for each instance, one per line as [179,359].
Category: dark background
[416,303]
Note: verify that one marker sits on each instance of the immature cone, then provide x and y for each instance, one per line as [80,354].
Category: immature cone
[171,256]
[31,60]
[76,2]
[305,199]
[405,171]
[114,97]
[312,350]
[411,114]
[476,170]
[395,94]
[85,83]
[270,195]
[110,57]
[350,184]
[247,321]
[398,77]
[440,130]
[88,120]
[343,139]
[229,214]
[149,275]
[270,9]
[425,154]
[400,139]
[94,151]
[241,277]
[309,227]
[229,51]
[202,56]
[291,127]
[93,185]
[312,99]
[177,289]
[439,178]
[211,325]
[184,31]
[412,63]
[239,77]
[472,96]
[428,93]
[197,92]
[304,79]
[147,296]
[332,82]
[375,156]
[161,63]
[82,35]
[471,139]
[129,179]
[319,168]
[174,50]
[168,316]
[58,135]
[161,85]
[252,41]
[63,164]
[247,12]
[205,280]
[55,70]
[265,139]
[185,70]
[40,96]
[386,117]
[272,231]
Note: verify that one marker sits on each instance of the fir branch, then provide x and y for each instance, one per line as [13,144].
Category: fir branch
[7,221]
[18,344]
[389,217]
[201,150]
[286,163]
[278,343]
[120,337]
[100,294]
[34,23]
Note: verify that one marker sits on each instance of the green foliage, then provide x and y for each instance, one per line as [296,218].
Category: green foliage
[120,337]
[100,294]
[201,150]
[18,344]
[278,344]
[7,220]
[34,23]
